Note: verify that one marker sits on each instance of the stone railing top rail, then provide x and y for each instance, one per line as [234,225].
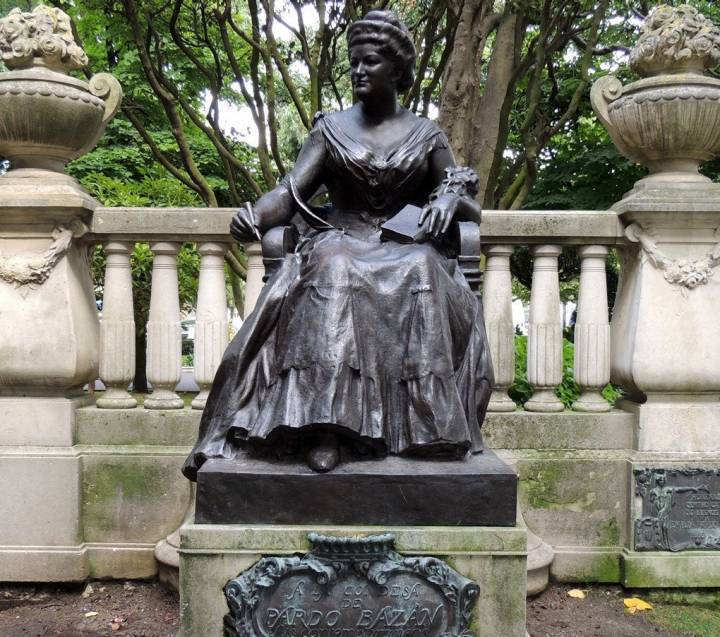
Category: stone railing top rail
[498,226]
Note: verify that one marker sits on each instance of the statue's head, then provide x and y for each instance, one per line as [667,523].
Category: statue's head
[382,32]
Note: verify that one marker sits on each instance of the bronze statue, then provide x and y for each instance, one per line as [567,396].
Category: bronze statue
[357,345]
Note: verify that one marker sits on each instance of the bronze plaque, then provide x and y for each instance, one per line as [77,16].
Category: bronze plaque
[350,587]
[680,509]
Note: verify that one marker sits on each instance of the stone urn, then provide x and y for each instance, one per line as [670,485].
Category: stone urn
[669,121]
[47,117]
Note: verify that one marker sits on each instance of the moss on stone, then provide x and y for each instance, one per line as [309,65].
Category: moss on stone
[540,484]
[111,481]
[609,533]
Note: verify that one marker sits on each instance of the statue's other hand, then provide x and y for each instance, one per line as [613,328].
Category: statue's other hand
[437,215]
[243,226]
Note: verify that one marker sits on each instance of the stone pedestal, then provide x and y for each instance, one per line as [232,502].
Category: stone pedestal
[493,557]
[665,335]
[478,491]
[48,351]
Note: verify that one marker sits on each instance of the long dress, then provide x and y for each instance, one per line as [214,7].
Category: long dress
[381,342]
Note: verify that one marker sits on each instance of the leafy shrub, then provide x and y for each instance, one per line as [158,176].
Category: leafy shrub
[568,391]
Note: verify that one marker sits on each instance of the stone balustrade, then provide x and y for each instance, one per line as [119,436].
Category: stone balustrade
[592,233]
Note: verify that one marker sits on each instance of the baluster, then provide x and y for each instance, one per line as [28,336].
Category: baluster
[497,304]
[255,273]
[545,355]
[592,332]
[117,329]
[211,326]
[163,329]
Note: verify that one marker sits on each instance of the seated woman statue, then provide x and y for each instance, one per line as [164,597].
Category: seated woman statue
[359,346]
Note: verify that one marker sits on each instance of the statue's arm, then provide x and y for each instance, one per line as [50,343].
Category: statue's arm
[277,207]
[453,197]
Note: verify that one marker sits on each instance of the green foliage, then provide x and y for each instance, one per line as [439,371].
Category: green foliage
[568,391]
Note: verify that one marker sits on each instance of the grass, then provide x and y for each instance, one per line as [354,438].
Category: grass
[696,621]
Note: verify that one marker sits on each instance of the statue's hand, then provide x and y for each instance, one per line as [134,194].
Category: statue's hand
[243,226]
[437,215]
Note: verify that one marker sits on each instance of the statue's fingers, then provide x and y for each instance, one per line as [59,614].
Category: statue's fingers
[437,222]
[446,223]
[423,215]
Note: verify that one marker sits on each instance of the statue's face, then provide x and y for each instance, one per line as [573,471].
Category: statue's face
[371,71]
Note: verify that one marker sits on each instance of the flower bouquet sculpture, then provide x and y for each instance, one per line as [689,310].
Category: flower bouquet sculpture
[359,346]
[667,121]
[47,117]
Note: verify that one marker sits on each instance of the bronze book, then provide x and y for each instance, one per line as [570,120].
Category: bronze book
[404,227]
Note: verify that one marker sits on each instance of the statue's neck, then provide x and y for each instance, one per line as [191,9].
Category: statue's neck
[375,110]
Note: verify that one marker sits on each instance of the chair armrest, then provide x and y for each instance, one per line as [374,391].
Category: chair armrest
[276,243]
[468,250]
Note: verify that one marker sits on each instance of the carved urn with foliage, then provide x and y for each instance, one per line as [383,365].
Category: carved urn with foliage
[47,117]
[669,121]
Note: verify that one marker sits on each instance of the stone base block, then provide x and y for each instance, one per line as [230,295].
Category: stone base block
[43,564]
[586,564]
[40,501]
[121,561]
[690,569]
[677,423]
[494,557]
[37,421]
[478,491]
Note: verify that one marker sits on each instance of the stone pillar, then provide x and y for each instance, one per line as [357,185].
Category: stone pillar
[164,360]
[117,329]
[592,332]
[49,327]
[255,274]
[497,304]
[665,332]
[211,326]
[545,342]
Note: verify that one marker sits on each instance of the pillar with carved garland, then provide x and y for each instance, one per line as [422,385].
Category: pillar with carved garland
[665,332]
[164,340]
[117,329]
[497,306]
[545,338]
[49,327]
[592,332]
[255,274]
[211,325]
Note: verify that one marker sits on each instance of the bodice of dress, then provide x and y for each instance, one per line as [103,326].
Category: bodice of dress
[361,180]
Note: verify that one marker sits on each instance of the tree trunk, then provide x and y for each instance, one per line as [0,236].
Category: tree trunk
[474,110]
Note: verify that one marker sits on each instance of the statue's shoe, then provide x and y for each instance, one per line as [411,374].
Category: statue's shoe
[323,458]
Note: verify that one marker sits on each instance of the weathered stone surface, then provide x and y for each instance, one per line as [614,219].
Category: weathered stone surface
[575,499]
[497,226]
[132,498]
[565,430]
[586,564]
[494,557]
[672,423]
[176,428]
[37,421]
[671,570]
